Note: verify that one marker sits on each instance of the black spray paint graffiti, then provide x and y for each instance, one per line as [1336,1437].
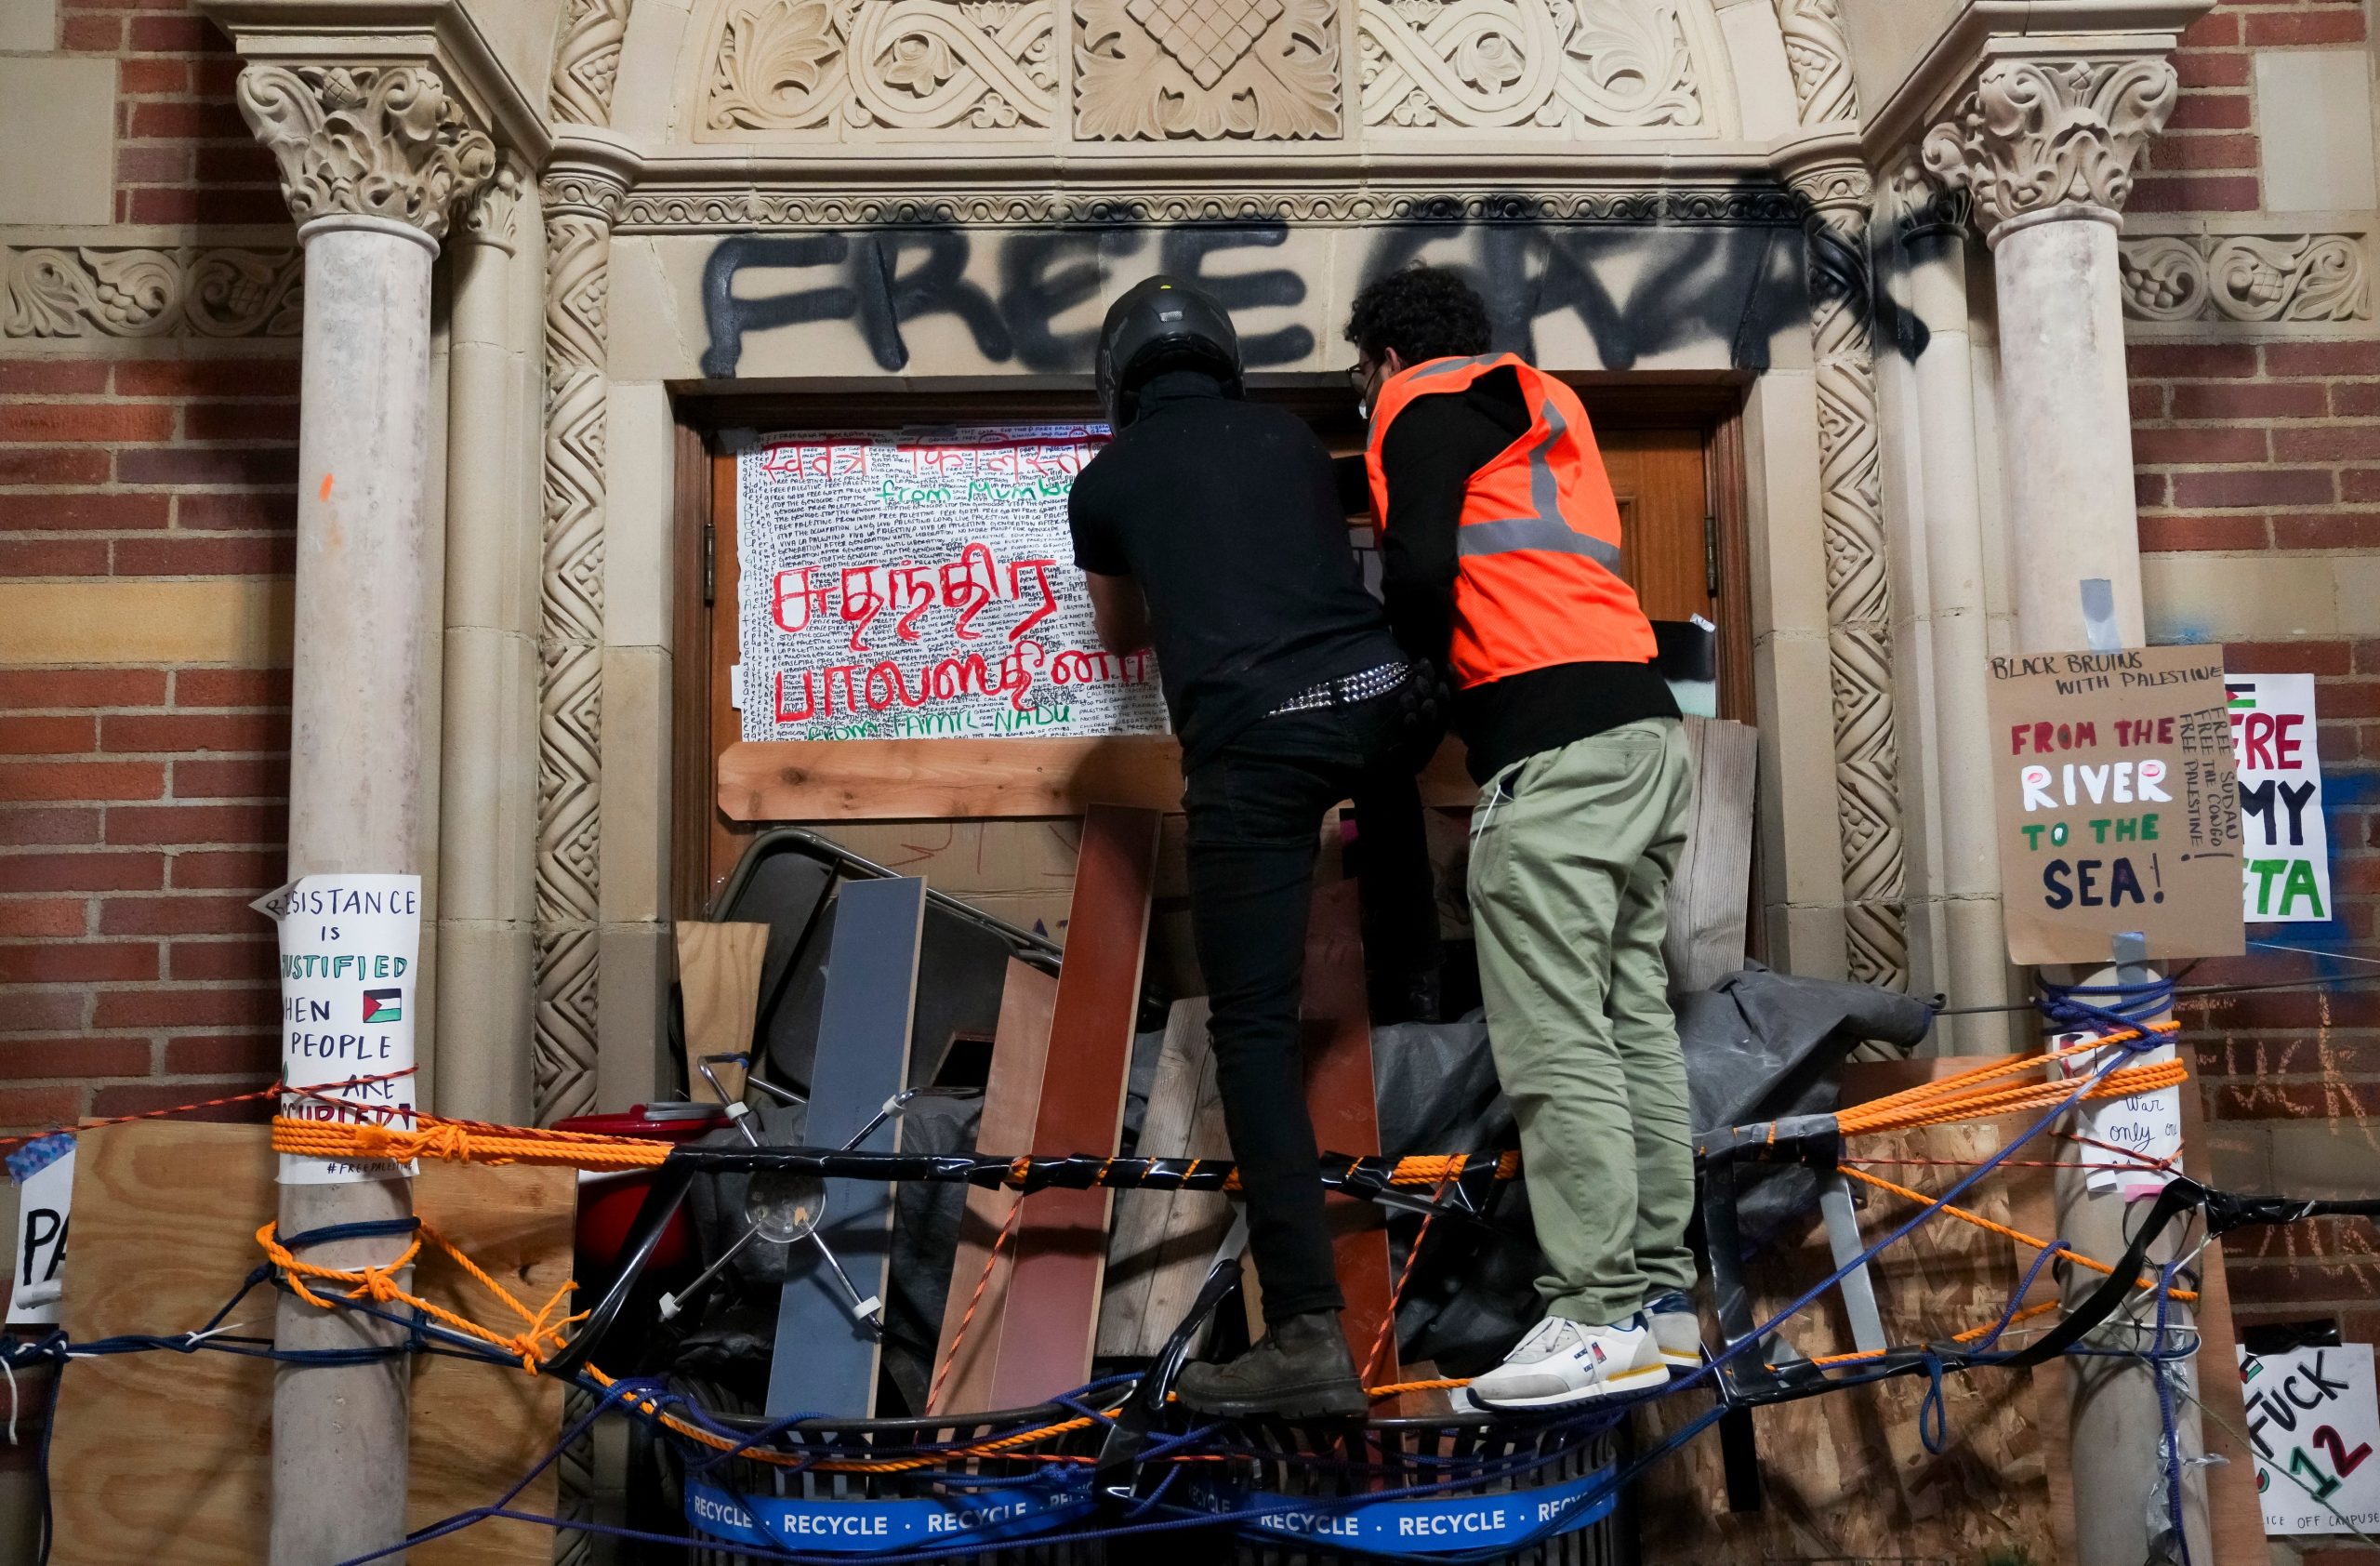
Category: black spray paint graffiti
[1682,285]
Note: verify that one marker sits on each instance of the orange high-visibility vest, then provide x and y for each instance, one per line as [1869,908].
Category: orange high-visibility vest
[1537,556]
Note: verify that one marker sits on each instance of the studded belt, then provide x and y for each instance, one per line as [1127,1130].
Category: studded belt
[1347,689]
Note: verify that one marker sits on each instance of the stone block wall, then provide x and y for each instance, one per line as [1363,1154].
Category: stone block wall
[148,430]
[2257,447]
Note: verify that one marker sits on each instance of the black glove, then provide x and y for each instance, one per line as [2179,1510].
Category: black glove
[1426,706]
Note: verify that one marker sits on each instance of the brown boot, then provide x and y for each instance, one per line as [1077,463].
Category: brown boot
[1300,1369]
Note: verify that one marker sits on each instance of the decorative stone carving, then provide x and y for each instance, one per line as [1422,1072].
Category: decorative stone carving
[852,70]
[99,292]
[1156,70]
[586,61]
[1867,747]
[381,142]
[2245,277]
[662,211]
[570,706]
[1571,67]
[2035,135]
[495,217]
[1819,56]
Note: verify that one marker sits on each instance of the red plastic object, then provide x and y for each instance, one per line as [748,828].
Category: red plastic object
[607,1207]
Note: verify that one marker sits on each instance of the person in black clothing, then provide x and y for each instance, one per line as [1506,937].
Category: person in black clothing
[1211,528]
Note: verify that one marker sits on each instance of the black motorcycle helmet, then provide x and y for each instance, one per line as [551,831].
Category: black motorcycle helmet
[1159,324]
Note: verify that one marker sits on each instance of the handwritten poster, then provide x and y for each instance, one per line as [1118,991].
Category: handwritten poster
[351,946]
[2287,878]
[2146,1125]
[44,1170]
[2313,1418]
[2117,802]
[924,586]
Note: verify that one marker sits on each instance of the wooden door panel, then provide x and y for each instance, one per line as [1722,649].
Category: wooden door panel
[1665,543]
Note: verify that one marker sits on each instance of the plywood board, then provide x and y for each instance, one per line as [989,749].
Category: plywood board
[1051,1319]
[1846,1475]
[165,1219]
[719,985]
[963,1360]
[1711,893]
[1340,1101]
[826,1357]
[1163,1243]
[972,779]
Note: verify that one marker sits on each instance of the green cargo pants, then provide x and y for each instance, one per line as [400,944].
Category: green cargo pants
[1571,854]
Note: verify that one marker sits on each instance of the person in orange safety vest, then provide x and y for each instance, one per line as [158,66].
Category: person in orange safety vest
[1500,551]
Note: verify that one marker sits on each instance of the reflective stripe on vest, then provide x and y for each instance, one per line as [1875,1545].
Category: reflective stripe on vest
[1537,570]
[1544,528]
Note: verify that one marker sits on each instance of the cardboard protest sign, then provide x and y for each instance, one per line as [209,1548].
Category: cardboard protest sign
[2287,878]
[2315,1426]
[920,587]
[349,950]
[2117,803]
[44,1170]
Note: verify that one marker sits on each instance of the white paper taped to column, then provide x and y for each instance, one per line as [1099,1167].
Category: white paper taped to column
[349,961]
[924,587]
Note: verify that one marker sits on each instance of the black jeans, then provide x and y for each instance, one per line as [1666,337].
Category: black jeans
[1255,815]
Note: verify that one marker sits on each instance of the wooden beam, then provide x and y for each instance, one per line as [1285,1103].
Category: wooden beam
[1011,1100]
[970,779]
[1164,1241]
[1052,1316]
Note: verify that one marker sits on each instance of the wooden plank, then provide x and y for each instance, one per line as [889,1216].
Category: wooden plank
[719,983]
[165,1219]
[477,1428]
[1011,1101]
[826,1359]
[1163,1243]
[973,779]
[1845,1473]
[1345,1111]
[1711,893]
[166,1215]
[1051,1319]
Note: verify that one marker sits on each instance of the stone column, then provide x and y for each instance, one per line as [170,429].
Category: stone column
[1933,237]
[371,160]
[489,762]
[1866,748]
[579,206]
[2046,147]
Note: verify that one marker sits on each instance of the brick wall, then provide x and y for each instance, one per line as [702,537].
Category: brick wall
[2258,448]
[143,804]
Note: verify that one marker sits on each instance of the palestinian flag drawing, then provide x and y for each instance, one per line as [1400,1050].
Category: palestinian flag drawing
[383,1005]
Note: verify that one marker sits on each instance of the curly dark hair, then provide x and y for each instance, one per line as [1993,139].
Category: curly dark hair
[1423,312]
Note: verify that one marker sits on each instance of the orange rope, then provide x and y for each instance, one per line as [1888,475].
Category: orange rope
[543,1334]
[1387,1333]
[2015,1234]
[933,1396]
[1955,1098]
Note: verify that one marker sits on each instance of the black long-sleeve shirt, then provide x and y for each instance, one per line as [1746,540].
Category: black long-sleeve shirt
[1432,448]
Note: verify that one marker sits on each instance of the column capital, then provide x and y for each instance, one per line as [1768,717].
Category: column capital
[492,217]
[2040,138]
[384,141]
[1838,190]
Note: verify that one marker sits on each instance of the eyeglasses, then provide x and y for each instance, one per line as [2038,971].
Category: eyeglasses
[1360,377]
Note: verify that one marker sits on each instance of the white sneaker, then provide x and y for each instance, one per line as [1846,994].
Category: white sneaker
[1676,1329]
[1562,1361]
